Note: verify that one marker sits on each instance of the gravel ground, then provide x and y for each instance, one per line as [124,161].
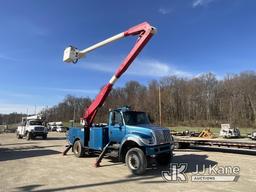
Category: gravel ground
[38,165]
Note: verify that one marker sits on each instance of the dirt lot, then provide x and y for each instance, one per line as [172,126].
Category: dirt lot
[38,165]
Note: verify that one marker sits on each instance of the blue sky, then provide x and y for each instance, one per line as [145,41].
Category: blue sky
[194,37]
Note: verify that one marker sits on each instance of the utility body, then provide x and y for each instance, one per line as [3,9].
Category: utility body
[129,135]
[227,132]
[52,126]
[252,135]
[60,127]
[31,127]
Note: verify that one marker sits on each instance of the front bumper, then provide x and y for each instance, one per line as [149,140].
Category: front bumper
[39,133]
[158,149]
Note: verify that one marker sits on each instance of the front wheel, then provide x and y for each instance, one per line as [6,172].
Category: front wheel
[45,136]
[136,161]
[78,149]
[19,136]
[29,136]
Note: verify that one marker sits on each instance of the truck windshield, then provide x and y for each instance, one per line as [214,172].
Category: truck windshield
[135,118]
[35,123]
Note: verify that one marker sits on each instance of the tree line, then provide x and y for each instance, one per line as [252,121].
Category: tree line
[199,101]
[11,118]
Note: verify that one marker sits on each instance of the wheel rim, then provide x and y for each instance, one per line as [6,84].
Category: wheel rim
[134,161]
[76,149]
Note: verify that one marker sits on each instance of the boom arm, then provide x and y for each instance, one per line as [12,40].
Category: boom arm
[71,54]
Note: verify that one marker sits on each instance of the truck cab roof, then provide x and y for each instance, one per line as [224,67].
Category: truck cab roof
[122,109]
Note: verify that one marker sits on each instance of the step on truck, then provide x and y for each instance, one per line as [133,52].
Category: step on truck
[129,136]
[31,127]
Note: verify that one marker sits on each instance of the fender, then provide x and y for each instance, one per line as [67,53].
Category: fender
[130,137]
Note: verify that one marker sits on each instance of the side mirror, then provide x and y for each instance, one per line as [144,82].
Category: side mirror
[151,120]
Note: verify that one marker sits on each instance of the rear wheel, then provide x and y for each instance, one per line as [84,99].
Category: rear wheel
[78,149]
[136,161]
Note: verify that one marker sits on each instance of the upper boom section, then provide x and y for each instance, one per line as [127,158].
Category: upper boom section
[71,54]
[144,31]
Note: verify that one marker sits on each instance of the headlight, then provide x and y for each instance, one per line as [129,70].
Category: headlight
[148,141]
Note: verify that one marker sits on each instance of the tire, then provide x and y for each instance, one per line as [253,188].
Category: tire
[78,150]
[18,136]
[29,136]
[44,136]
[136,161]
[164,159]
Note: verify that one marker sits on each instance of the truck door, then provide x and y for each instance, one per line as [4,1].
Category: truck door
[116,127]
[23,128]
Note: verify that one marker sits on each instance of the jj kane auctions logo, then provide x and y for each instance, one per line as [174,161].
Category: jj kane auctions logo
[203,173]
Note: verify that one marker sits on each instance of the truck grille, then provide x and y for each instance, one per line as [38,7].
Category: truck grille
[39,129]
[162,136]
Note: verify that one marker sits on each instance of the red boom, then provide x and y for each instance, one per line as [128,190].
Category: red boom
[145,32]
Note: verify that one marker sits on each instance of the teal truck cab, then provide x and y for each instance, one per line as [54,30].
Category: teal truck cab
[129,136]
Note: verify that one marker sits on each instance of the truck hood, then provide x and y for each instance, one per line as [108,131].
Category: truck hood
[33,126]
[36,126]
[143,130]
[146,126]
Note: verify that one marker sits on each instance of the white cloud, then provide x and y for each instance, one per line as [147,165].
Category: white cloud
[154,68]
[88,91]
[29,27]
[164,11]
[19,94]
[4,57]
[197,3]
[140,67]
[27,102]
[6,108]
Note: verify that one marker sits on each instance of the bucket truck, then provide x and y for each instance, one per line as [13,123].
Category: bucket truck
[31,127]
[129,135]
